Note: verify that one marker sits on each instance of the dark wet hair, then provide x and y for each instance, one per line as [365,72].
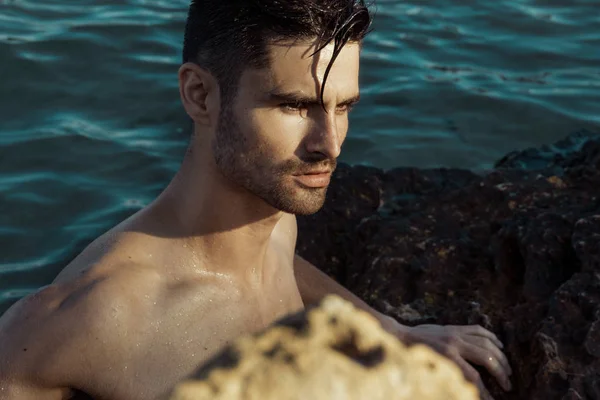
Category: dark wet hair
[228,36]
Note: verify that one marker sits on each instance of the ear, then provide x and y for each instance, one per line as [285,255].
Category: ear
[199,93]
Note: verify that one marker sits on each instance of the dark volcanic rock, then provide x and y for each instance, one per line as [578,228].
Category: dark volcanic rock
[353,195]
[516,250]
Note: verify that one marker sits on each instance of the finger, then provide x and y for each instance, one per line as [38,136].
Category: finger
[470,374]
[485,395]
[487,345]
[478,330]
[482,356]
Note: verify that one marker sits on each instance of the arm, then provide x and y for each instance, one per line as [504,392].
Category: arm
[63,336]
[313,285]
[459,343]
[27,347]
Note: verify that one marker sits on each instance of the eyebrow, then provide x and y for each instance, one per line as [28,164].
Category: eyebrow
[298,97]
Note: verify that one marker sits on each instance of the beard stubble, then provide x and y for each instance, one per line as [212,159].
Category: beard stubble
[249,166]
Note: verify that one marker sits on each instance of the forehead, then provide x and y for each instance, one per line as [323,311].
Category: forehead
[294,68]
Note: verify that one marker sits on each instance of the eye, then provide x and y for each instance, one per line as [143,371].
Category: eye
[345,108]
[296,106]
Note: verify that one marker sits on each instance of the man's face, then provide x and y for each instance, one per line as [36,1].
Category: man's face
[276,136]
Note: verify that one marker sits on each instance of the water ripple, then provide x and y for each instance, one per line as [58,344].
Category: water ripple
[93,128]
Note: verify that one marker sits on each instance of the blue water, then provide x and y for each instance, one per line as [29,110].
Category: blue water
[91,126]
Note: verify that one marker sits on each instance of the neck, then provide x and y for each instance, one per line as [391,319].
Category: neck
[229,226]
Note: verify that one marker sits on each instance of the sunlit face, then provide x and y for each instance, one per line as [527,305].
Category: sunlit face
[276,136]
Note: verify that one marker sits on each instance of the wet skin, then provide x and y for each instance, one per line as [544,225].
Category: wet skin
[213,256]
[210,259]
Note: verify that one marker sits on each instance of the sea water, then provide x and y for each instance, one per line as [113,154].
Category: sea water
[91,125]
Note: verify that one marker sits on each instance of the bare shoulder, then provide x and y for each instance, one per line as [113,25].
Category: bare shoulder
[58,336]
[109,252]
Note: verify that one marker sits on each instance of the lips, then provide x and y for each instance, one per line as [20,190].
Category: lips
[314,179]
[325,171]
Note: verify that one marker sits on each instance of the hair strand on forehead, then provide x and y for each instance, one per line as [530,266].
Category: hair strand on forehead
[227,37]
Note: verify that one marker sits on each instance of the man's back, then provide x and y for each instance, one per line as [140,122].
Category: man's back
[121,322]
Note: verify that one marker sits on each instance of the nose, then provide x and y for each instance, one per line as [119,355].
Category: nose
[325,138]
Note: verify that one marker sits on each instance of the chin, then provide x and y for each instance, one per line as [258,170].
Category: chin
[289,197]
[303,201]
[304,211]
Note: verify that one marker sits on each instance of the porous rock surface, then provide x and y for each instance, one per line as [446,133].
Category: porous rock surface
[330,352]
[515,249]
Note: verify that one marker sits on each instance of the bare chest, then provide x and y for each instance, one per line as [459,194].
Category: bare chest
[192,324]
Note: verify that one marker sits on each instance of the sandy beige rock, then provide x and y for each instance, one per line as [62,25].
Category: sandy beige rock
[330,352]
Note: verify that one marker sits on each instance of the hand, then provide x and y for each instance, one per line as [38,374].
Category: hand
[465,343]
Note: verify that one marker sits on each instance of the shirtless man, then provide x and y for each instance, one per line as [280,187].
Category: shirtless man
[213,256]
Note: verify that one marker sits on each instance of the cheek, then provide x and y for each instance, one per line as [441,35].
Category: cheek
[342,128]
[276,133]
